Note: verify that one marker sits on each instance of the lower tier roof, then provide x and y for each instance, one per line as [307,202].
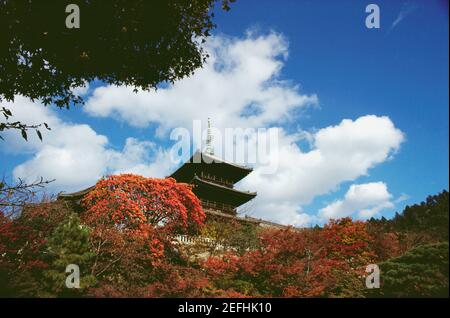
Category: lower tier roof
[215,192]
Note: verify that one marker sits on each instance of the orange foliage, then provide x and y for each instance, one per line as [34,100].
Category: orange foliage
[349,241]
[131,201]
[305,263]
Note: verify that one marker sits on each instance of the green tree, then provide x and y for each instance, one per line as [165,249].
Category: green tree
[428,221]
[68,244]
[420,272]
[227,234]
[133,42]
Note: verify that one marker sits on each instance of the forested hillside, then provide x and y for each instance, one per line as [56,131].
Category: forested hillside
[429,218]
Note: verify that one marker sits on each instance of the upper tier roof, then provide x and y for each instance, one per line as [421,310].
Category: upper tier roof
[215,165]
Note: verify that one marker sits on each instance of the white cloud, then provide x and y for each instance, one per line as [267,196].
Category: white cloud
[340,153]
[141,157]
[406,10]
[26,111]
[74,154]
[81,90]
[403,197]
[241,77]
[366,200]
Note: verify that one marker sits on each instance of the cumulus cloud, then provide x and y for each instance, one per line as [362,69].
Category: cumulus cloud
[74,154]
[240,86]
[366,200]
[339,153]
[81,90]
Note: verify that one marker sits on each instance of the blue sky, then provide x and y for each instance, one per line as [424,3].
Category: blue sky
[399,71]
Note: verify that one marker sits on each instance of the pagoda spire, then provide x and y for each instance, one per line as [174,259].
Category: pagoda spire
[209,138]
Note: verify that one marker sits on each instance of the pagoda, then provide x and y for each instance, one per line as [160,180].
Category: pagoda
[213,181]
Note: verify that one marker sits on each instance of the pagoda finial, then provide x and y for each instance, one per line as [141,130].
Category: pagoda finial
[209,138]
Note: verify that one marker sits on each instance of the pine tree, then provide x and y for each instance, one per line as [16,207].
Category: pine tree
[421,272]
[68,244]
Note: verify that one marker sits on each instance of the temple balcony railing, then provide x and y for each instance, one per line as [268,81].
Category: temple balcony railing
[204,244]
[201,242]
[189,240]
[218,206]
[219,180]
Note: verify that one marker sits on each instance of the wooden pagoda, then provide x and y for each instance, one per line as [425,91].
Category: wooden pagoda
[213,180]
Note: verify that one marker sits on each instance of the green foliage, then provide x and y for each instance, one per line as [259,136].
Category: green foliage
[135,43]
[243,287]
[430,218]
[230,233]
[420,272]
[68,244]
[348,285]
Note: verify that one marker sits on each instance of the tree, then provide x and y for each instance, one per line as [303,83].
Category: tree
[327,262]
[23,252]
[14,196]
[385,245]
[225,234]
[133,222]
[68,244]
[136,42]
[287,263]
[422,223]
[131,202]
[349,241]
[420,272]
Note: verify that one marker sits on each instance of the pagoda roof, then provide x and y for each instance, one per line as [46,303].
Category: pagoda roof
[217,192]
[220,160]
[229,170]
[75,195]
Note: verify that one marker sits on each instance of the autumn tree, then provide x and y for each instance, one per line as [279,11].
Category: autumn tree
[282,265]
[328,262]
[19,242]
[132,201]
[135,42]
[23,247]
[348,241]
[225,234]
[385,244]
[133,222]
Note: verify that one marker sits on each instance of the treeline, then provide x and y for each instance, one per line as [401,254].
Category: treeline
[123,237]
[429,218]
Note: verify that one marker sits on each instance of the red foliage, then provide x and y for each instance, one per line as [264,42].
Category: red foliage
[178,281]
[281,267]
[22,242]
[23,245]
[348,241]
[132,221]
[130,201]
[306,263]
[219,266]
[385,245]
